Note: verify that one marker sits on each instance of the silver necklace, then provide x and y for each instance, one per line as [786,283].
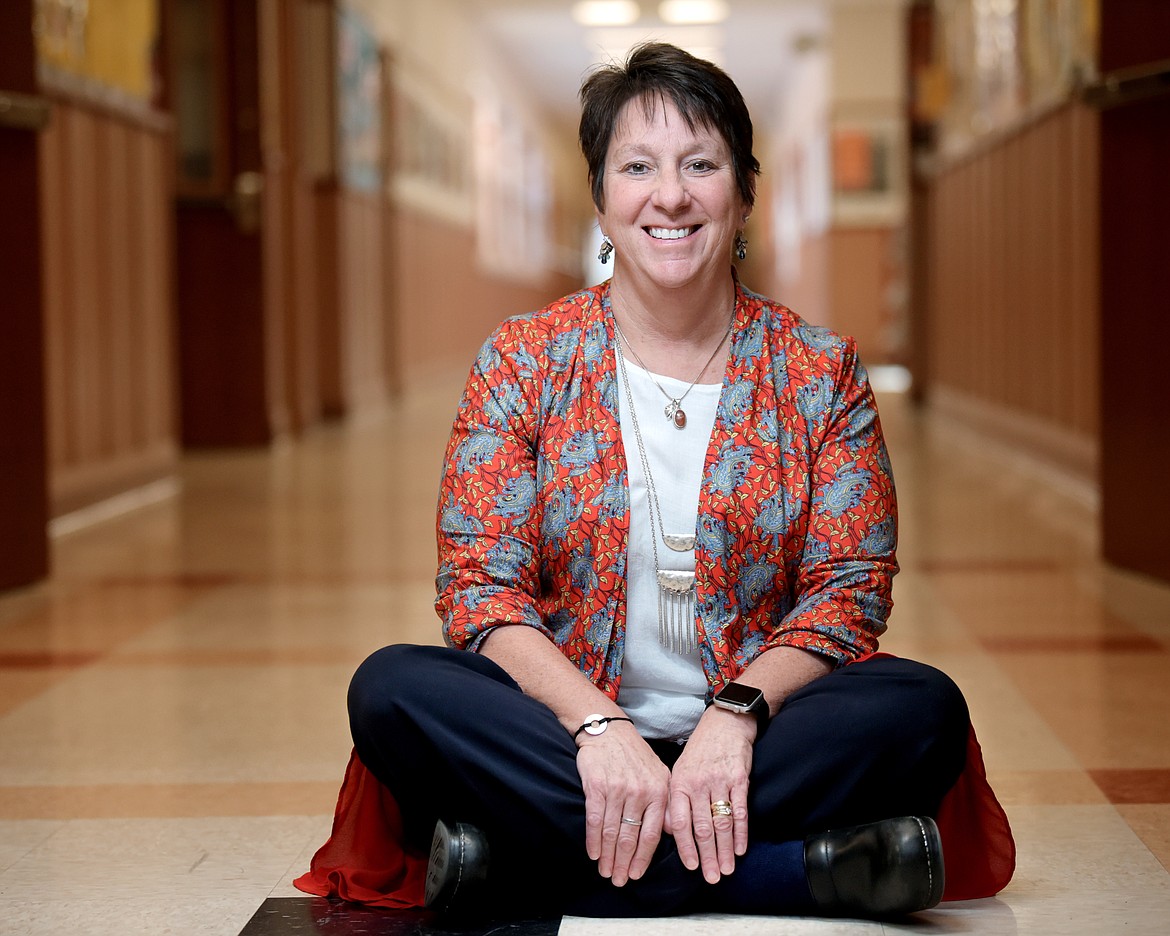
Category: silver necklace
[676,590]
[674,411]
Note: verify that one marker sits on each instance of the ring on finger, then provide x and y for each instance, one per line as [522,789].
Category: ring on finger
[634,822]
[721,808]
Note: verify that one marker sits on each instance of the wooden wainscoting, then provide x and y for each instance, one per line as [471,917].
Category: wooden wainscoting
[865,285]
[444,303]
[353,363]
[1012,311]
[24,544]
[107,244]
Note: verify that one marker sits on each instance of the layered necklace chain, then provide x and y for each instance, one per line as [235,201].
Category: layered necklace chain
[676,589]
[674,411]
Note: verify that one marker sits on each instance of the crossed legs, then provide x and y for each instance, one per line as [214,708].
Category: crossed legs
[452,736]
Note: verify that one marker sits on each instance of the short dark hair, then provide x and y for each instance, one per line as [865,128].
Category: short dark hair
[704,94]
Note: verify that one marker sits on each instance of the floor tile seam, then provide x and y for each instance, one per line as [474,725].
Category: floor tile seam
[1143,847]
[162,801]
[24,660]
[289,874]
[280,580]
[1112,782]
[263,659]
[129,631]
[71,661]
[1029,647]
[52,679]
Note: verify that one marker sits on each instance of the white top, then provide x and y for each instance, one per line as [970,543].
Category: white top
[662,691]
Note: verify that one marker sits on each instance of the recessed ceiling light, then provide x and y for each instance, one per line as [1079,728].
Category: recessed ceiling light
[606,12]
[692,12]
[614,44]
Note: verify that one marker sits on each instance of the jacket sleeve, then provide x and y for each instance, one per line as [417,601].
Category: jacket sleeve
[846,561]
[489,517]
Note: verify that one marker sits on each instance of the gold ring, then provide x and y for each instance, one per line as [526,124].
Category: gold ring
[721,808]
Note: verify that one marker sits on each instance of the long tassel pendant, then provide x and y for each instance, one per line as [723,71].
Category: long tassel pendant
[676,611]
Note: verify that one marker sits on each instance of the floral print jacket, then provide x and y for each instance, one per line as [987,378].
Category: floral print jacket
[797,523]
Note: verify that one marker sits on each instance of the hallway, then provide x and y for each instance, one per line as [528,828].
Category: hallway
[172,700]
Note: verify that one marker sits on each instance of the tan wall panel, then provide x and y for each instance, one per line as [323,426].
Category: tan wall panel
[1012,268]
[353,369]
[445,305]
[808,295]
[863,272]
[363,299]
[108,304]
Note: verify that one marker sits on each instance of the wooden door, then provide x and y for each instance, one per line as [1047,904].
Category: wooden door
[231,381]
[24,550]
[1135,254]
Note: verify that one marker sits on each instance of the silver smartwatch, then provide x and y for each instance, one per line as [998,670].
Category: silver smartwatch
[743,700]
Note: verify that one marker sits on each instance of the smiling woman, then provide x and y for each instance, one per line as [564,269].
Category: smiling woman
[670,636]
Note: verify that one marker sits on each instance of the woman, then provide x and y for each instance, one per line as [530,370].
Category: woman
[666,539]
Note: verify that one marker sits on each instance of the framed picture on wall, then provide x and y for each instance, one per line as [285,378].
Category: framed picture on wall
[359,80]
[867,165]
[103,48]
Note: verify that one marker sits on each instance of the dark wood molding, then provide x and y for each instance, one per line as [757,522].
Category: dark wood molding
[24,545]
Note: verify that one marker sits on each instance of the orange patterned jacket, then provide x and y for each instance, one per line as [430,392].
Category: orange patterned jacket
[797,523]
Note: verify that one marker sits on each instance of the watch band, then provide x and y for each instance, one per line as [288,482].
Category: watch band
[596,724]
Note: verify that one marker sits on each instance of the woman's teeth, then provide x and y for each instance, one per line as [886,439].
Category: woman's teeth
[671,233]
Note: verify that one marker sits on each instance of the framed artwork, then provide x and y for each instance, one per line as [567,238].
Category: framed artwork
[106,47]
[359,95]
[867,165]
[999,60]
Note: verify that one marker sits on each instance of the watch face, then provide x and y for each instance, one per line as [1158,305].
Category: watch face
[739,695]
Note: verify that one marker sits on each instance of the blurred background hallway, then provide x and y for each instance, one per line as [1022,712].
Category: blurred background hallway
[249,249]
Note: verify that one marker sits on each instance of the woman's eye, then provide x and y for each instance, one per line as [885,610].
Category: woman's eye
[637,168]
[701,165]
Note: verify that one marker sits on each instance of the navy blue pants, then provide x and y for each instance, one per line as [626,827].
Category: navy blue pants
[452,736]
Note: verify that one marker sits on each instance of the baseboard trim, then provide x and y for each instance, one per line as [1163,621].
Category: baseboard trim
[1066,461]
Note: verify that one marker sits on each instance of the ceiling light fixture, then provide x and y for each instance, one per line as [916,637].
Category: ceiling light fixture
[693,12]
[606,12]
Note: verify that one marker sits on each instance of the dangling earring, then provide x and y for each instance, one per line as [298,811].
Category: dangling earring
[741,246]
[606,250]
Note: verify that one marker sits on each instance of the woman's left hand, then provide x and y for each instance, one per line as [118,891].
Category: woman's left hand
[714,767]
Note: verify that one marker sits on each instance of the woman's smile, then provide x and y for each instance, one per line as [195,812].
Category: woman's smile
[659,233]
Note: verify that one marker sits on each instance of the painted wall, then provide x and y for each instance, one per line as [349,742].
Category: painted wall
[487,197]
[835,226]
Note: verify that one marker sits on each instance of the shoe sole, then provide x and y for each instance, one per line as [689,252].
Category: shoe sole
[932,842]
[440,890]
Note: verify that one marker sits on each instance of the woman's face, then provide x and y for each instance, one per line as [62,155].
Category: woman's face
[672,206]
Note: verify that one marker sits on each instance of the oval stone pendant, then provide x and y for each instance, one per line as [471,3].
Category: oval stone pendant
[679,418]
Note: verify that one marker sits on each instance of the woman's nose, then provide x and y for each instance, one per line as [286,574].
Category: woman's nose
[671,192]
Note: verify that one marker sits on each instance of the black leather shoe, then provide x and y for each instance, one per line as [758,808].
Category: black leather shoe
[457,866]
[883,869]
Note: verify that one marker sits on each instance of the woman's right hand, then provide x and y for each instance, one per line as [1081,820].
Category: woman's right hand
[622,779]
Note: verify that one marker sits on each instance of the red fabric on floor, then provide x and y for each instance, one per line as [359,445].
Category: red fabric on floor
[978,847]
[364,860]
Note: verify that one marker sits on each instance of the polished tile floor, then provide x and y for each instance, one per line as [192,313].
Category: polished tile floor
[172,727]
